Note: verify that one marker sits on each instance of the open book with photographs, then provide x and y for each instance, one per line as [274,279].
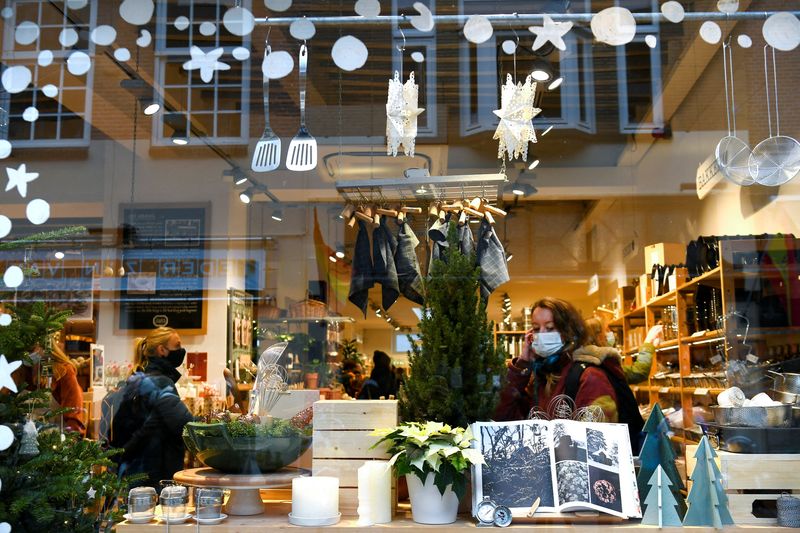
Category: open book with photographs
[568,465]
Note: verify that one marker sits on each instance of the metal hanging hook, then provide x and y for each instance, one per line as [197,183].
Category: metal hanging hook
[401,49]
[516,36]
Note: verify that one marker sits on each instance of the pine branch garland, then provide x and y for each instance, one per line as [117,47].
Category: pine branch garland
[45,237]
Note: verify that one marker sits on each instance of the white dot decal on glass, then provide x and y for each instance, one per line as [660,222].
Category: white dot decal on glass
[77,4]
[5,319]
[45,58]
[478,29]
[208,28]
[50,90]
[744,41]
[37,211]
[418,57]
[423,21]
[122,54]
[651,41]
[710,32]
[277,65]
[5,527]
[349,53]
[614,25]
[68,37]
[5,149]
[13,277]
[31,114]
[239,21]
[6,13]
[782,31]
[302,29]
[136,12]
[26,33]
[6,440]
[369,9]
[278,5]
[79,63]
[181,23]
[103,35]
[5,226]
[673,11]
[145,38]
[728,6]
[509,46]
[16,79]
[241,53]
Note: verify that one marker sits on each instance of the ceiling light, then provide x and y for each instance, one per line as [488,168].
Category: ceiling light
[509,257]
[277,215]
[332,258]
[340,251]
[59,255]
[246,196]
[555,84]
[518,190]
[541,70]
[378,313]
[152,108]
[524,189]
[550,127]
[534,164]
[397,328]
[240,179]
[388,319]
[421,190]
[179,138]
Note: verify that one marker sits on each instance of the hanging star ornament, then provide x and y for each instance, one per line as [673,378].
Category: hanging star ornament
[516,113]
[550,31]
[20,178]
[206,63]
[6,369]
[401,115]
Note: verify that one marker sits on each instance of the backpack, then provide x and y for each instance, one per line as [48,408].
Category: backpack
[121,413]
[627,406]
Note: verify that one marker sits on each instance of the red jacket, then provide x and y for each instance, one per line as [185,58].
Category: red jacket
[517,397]
[68,393]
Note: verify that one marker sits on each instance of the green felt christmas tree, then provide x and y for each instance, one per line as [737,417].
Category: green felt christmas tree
[661,506]
[456,371]
[708,504]
[657,451]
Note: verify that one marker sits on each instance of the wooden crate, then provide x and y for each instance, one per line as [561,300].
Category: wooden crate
[342,442]
[750,477]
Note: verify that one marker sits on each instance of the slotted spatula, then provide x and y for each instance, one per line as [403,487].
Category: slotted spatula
[302,153]
[267,155]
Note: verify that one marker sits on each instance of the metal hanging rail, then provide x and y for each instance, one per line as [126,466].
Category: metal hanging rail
[423,188]
[511,18]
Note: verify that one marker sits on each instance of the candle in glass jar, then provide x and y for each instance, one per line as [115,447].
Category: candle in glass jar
[374,493]
[315,497]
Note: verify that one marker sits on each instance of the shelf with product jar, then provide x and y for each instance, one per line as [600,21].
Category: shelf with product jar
[510,340]
[706,324]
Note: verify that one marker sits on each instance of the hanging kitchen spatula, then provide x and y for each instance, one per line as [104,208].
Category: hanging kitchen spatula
[302,153]
[267,154]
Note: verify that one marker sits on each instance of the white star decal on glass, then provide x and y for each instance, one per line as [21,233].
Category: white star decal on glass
[402,111]
[551,31]
[6,369]
[91,493]
[516,113]
[206,63]
[20,178]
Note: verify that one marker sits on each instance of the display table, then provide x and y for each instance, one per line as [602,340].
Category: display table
[245,497]
[276,518]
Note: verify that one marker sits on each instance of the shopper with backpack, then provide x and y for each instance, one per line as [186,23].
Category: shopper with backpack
[149,420]
[553,363]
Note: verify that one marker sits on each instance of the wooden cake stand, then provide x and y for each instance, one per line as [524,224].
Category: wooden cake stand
[245,498]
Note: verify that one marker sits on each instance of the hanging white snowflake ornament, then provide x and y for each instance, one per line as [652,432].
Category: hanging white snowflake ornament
[401,115]
[516,114]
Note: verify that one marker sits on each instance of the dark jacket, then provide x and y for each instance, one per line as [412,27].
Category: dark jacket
[381,382]
[149,423]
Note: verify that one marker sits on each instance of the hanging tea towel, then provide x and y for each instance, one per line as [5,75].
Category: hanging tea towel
[491,259]
[407,265]
[362,278]
[384,245]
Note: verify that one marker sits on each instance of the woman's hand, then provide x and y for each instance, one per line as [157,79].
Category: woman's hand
[655,335]
[527,352]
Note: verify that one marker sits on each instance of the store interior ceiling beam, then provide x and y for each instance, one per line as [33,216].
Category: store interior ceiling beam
[522,19]
[423,188]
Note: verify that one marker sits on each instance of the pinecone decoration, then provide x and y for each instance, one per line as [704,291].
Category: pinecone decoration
[29,444]
[303,419]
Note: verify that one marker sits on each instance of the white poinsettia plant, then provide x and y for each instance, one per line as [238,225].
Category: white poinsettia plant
[432,447]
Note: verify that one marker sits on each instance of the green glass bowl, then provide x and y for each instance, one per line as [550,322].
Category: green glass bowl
[216,448]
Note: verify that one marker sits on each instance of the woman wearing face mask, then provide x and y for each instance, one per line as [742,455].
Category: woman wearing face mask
[602,344]
[151,416]
[550,350]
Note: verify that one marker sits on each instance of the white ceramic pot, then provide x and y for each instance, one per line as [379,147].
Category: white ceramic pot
[428,506]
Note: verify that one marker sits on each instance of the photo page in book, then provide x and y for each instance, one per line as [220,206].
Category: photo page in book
[568,465]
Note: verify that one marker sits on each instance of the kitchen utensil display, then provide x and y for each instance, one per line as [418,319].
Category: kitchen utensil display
[302,153]
[772,416]
[267,154]
[786,382]
[754,440]
[732,153]
[776,159]
[784,397]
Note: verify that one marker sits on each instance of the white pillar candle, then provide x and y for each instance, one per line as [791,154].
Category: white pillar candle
[315,497]
[374,493]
